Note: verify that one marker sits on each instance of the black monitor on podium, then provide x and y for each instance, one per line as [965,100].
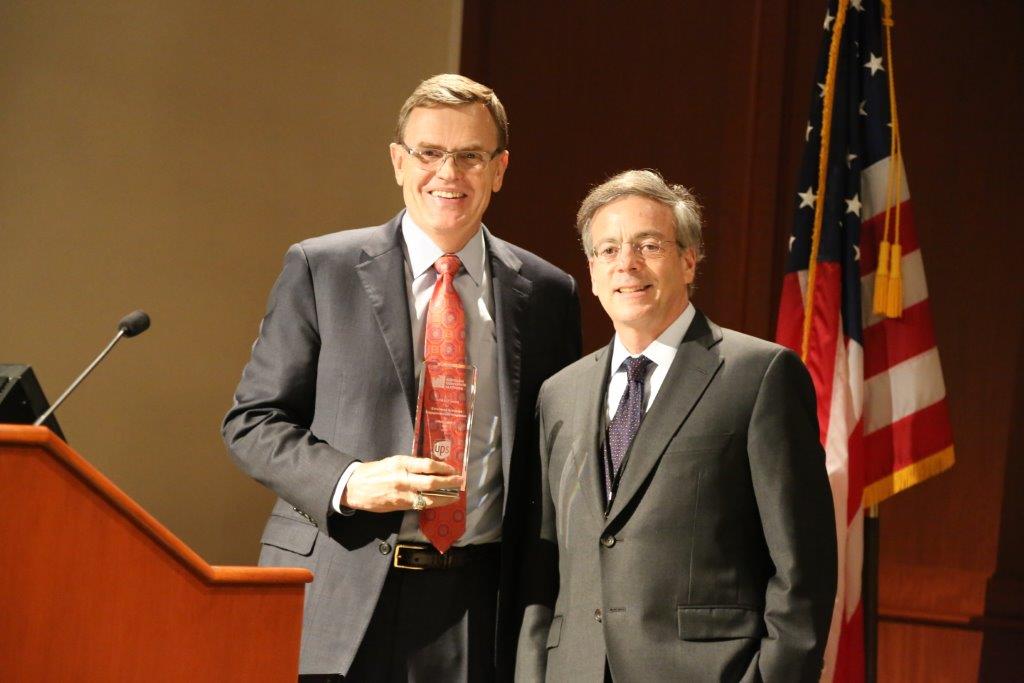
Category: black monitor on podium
[21,398]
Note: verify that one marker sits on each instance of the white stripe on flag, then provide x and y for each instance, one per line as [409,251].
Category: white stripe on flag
[855,363]
[855,532]
[915,288]
[874,181]
[902,390]
[844,412]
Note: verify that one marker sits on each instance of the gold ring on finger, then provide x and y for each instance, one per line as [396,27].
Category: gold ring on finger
[419,502]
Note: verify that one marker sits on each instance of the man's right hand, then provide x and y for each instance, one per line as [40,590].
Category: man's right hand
[393,483]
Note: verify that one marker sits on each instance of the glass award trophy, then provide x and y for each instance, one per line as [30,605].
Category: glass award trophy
[444,417]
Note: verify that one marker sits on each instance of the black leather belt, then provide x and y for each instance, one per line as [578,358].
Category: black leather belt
[418,557]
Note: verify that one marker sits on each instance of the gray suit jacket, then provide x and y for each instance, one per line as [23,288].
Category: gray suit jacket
[331,381]
[716,559]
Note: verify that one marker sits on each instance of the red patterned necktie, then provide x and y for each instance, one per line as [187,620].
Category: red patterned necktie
[445,342]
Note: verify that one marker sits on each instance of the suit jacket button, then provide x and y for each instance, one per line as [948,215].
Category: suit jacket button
[384,548]
[597,615]
[608,541]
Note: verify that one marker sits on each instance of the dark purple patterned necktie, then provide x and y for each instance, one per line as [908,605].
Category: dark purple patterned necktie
[626,422]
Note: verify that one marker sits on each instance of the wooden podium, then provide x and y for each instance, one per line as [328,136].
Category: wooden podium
[93,588]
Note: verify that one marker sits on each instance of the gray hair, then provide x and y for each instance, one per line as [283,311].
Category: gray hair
[649,184]
[453,90]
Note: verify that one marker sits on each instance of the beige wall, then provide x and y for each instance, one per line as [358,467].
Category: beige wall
[162,155]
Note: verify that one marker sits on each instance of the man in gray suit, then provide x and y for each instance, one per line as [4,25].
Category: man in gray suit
[328,400]
[681,524]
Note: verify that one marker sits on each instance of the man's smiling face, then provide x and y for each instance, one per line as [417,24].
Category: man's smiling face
[641,296]
[447,202]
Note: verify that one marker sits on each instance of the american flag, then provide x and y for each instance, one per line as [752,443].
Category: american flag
[881,398]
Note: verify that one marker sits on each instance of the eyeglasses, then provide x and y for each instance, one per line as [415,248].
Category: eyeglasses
[431,158]
[648,248]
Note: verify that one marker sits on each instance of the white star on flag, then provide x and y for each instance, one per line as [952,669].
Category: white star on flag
[860,109]
[853,205]
[791,240]
[858,5]
[849,159]
[821,90]
[828,20]
[807,198]
[807,135]
[874,63]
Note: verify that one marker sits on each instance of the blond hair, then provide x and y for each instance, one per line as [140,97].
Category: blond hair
[453,90]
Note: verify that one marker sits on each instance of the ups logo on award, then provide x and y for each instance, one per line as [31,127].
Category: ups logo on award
[441,449]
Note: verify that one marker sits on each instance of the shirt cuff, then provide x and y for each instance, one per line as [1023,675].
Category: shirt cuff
[340,489]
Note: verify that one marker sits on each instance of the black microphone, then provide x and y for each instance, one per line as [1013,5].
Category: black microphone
[135,323]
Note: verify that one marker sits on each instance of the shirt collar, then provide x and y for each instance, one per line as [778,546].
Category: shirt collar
[663,349]
[422,252]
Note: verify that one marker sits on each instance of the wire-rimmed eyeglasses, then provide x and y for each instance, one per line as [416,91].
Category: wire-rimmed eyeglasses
[649,248]
[432,158]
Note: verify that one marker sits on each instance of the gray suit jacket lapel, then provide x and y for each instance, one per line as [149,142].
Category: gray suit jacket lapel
[692,370]
[590,401]
[511,291]
[382,272]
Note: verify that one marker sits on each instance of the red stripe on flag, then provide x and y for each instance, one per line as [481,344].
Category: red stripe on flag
[872,229]
[850,653]
[906,441]
[894,340]
[789,329]
[821,351]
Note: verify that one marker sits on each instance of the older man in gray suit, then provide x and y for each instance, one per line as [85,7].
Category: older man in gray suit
[407,583]
[682,526]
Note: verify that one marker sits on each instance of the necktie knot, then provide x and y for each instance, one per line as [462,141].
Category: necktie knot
[448,264]
[636,368]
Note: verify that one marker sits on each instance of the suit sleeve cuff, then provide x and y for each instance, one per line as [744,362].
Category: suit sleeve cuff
[339,490]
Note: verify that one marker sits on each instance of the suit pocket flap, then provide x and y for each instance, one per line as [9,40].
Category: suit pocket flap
[688,443]
[555,632]
[289,534]
[715,623]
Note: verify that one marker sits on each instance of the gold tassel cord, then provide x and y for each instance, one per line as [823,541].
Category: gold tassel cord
[819,202]
[894,303]
[888,297]
[881,300]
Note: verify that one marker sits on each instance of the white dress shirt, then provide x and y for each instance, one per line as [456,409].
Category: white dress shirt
[484,486]
[662,351]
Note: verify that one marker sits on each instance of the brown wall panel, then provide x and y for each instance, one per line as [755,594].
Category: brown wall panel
[597,88]
[923,653]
